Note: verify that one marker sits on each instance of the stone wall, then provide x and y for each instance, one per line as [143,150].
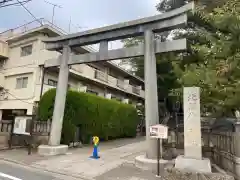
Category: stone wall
[4,137]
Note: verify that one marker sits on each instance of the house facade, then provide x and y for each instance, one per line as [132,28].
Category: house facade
[22,55]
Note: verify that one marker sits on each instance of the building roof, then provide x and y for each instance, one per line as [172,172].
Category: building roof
[31,28]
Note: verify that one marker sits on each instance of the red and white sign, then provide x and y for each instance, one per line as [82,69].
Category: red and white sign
[159,131]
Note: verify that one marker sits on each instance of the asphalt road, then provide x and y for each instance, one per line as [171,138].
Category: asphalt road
[9,171]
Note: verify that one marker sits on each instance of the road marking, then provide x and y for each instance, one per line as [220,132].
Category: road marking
[8,176]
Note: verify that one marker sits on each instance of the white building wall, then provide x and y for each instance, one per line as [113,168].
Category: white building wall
[45,54]
[15,59]
[28,66]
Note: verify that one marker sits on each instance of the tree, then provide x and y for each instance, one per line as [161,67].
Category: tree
[212,62]
[166,77]
[168,5]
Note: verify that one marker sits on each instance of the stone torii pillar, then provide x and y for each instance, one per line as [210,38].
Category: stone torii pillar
[54,147]
[151,94]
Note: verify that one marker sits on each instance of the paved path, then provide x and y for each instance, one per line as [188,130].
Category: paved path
[81,165]
[127,172]
[116,162]
[10,171]
[20,155]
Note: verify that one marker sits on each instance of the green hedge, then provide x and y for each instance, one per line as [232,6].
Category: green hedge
[95,115]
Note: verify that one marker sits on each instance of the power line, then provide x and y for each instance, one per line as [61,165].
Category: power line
[3,3]
[54,6]
[29,12]
[23,2]
[16,98]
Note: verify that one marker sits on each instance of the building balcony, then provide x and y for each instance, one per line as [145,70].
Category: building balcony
[120,84]
[136,90]
[107,80]
[101,76]
[3,50]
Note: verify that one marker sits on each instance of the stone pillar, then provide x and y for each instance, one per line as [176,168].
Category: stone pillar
[59,106]
[192,123]
[151,94]
[192,159]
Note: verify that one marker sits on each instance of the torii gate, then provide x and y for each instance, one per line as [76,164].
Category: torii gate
[147,27]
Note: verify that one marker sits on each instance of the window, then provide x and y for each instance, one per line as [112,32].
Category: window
[22,82]
[26,50]
[52,82]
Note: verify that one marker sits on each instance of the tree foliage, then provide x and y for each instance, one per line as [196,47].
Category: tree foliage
[212,60]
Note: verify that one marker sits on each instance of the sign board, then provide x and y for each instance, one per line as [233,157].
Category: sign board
[159,131]
[22,125]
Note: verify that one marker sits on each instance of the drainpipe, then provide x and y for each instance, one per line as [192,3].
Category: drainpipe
[42,81]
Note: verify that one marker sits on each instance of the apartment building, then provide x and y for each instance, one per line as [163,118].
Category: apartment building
[22,54]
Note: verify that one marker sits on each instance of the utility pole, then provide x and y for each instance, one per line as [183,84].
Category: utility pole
[54,6]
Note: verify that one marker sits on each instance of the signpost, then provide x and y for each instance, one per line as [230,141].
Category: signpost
[159,132]
[22,126]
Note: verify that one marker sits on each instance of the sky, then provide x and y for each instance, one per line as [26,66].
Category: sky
[86,14]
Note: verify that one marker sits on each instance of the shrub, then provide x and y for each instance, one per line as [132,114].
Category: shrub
[96,116]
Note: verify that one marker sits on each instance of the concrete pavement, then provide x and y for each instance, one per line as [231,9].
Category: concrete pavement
[77,162]
[116,163]
[11,171]
[81,165]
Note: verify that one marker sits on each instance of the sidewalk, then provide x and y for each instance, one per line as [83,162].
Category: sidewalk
[21,156]
[116,163]
[80,165]
[116,158]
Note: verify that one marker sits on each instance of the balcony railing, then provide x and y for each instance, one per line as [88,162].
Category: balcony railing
[29,26]
[120,84]
[101,76]
[108,80]
[135,90]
